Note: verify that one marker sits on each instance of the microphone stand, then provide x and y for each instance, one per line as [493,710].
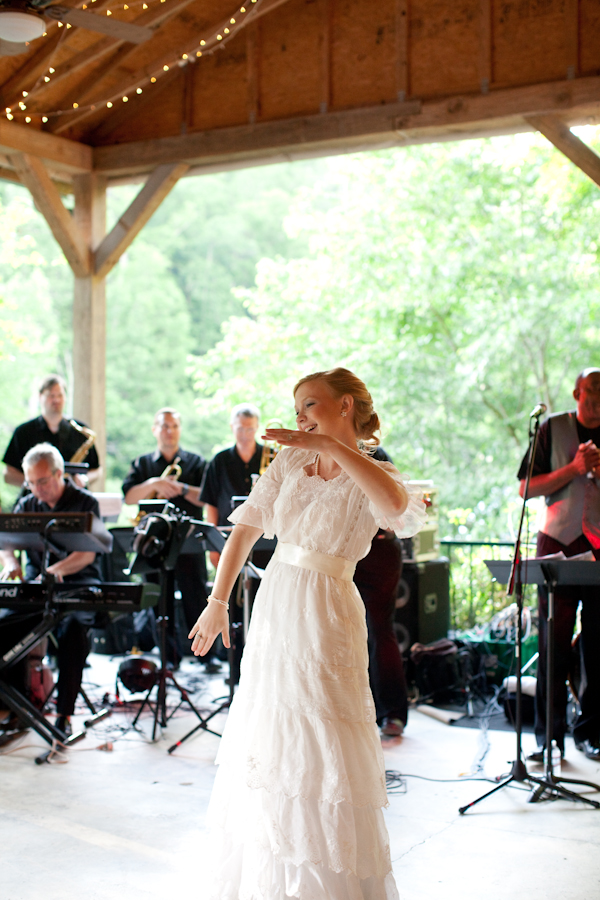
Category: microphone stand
[518,771]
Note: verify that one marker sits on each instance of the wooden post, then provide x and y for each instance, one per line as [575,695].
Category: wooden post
[89,316]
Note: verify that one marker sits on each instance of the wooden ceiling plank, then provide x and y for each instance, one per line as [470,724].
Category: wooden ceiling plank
[66,155]
[161,182]
[485,45]
[86,57]
[130,82]
[33,67]
[34,176]
[121,114]
[569,144]
[325,57]
[401,50]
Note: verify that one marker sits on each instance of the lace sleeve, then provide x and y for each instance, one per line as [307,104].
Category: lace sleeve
[258,509]
[414,516]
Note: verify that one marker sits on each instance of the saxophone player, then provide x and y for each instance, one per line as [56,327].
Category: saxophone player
[172,473]
[50,427]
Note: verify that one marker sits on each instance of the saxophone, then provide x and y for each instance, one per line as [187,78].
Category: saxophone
[270,448]
[83,450]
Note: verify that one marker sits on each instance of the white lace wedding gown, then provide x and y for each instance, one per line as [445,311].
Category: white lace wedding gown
[296,809]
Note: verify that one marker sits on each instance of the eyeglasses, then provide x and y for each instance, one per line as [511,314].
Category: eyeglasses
[41,482]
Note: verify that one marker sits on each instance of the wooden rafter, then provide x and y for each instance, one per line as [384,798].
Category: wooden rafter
[96,53]
[63,154]
[160,183]
[569,144]
[33,175]
[126,81]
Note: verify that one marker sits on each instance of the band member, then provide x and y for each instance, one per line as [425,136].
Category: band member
[174,474]
[229,473]
[566,471]
[377,577]
[49,492]
[52,428]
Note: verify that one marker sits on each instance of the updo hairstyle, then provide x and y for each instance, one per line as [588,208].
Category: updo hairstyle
[343,381]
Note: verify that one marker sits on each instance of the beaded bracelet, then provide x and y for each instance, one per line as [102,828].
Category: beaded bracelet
[224,603]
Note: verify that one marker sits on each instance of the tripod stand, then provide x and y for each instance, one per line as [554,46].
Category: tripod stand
[243,583]
[549,785]
[158,542]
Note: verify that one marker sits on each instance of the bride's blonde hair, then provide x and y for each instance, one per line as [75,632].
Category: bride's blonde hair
[343,381]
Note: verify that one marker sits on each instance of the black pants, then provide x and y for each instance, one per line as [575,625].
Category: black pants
[377,577]
[190,580]
[566,601]
[72,647]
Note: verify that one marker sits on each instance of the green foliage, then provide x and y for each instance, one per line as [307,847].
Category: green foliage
[458,280]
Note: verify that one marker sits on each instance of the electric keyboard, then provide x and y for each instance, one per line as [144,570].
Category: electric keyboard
[27,596]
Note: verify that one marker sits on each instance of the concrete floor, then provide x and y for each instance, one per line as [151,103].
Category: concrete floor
[105,824]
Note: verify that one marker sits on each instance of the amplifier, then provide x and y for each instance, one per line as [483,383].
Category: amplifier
[423,603]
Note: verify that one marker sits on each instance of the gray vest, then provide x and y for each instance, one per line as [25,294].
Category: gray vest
[575,508]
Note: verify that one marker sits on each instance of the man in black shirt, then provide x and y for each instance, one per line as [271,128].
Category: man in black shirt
[52,428]
[566,471]
[145,480]
[44,470]
[229,474]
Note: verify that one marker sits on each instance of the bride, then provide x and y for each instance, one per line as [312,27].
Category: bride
[296,809]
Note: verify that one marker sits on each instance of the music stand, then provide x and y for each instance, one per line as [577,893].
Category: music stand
[160,538]
[540,572]
[58,533]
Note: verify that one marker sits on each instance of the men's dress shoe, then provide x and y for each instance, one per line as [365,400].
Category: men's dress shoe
[590,748]
[212,668]
[537,755]
[63,723]
[392,727]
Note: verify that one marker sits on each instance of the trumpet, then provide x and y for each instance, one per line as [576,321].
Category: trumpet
[173,470]
[270,448]
[83,450]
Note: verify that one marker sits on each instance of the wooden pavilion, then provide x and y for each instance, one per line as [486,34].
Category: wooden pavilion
[151,91]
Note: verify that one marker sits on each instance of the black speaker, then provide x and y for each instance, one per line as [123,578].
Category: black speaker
[423,603]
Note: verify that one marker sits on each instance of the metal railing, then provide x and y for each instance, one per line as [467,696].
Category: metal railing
[473,593]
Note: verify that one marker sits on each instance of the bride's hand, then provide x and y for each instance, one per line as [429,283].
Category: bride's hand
[212,622]
[318,443]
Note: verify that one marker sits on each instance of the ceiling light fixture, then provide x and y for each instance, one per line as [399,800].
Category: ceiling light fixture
[20,25]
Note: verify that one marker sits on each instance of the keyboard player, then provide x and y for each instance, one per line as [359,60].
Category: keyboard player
[48,491]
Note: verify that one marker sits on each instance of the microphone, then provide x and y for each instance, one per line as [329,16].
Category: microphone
[539,410]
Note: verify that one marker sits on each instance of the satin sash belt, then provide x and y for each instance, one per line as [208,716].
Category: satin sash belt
[336,566]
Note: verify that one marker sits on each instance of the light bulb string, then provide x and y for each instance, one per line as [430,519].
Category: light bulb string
[218,38]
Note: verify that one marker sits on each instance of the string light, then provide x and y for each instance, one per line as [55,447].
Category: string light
[28,119]
[9,116]
[221,36]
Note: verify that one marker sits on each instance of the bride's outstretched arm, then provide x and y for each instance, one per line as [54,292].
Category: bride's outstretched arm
[215,618]
[390,497]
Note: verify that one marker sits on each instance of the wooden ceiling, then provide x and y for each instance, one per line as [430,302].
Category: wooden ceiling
[290,79]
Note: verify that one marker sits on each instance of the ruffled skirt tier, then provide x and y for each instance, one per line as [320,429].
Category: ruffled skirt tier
[296,810]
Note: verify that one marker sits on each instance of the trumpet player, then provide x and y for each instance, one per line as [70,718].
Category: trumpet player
[50,427]
[169,472]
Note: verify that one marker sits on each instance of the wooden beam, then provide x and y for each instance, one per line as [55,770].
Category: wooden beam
[569,144]
[252,77]
[62,153]
[89,315]
[160,183]
[33,175]
[451,118]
